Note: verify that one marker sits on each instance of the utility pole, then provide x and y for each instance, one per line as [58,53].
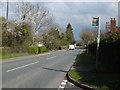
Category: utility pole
[96,22]
[98,44]
[7,10]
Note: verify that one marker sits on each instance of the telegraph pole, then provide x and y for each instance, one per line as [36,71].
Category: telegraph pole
[96,22]
[7,10]
[98,44]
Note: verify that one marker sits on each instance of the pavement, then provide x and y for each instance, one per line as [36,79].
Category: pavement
[39,71]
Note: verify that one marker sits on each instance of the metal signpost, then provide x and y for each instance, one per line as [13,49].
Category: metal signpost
[96,22]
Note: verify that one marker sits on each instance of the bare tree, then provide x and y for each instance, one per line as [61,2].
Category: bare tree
[35,14]
[88,36]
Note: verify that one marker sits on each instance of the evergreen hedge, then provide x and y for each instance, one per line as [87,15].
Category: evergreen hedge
[33,50]
[42,49]
[36,49]
[109,51]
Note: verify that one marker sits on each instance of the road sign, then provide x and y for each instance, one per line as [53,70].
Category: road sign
[95,21]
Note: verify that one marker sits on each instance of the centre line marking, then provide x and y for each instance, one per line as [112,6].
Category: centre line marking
[22,66]
[51,57]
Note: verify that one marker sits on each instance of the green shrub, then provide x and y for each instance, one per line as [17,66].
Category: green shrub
[42,49]
[33,50]
[36,50]
[109,51]
[92,48]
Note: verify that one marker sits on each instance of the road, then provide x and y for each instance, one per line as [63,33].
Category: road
[40,71]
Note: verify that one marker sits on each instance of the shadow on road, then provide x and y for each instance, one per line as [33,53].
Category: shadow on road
[54,69]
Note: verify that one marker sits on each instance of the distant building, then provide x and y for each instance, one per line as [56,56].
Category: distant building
[37,44]
[111,26]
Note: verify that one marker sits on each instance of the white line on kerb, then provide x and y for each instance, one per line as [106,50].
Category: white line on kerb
[51,57]
[62,85]
[22,66]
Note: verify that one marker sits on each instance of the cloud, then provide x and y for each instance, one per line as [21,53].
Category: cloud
[80,14]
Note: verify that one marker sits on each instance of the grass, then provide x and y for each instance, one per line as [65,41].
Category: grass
[97,79]
[7,56]
[85,60]
[75,74]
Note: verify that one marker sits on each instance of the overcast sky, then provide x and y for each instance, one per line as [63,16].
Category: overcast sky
[79,14]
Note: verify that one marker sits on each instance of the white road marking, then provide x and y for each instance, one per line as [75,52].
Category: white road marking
[65,81]
[51,57]
[22,66]
[62,85]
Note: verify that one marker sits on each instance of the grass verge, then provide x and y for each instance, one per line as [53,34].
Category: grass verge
[7,56]
[97,79]
[85,60]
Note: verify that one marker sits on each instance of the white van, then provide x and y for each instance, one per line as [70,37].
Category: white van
[71,47]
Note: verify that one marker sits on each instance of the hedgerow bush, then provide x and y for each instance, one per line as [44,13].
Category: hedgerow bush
[92,48]
[109,51]
[42,49]
[33,50]
[36,49]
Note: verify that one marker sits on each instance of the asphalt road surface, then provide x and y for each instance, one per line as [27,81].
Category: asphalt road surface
[40,71]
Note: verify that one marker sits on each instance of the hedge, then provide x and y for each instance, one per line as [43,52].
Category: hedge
[109,55]
[42,49]
[36,50]
[33,50]
[109,51]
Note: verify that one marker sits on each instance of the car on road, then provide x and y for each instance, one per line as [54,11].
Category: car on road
[71,47]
